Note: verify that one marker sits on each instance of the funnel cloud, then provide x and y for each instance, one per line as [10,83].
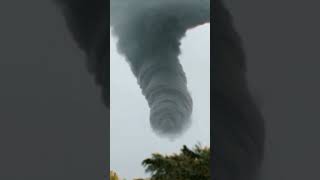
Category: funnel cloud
[149,34]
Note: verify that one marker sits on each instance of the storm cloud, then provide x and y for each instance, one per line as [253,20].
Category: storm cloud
[149,34]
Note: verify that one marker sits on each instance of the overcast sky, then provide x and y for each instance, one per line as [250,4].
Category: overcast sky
[131,137]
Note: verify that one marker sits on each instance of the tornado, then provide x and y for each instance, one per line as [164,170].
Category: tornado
[149,34]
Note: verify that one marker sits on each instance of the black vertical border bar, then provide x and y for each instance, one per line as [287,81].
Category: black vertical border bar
[108,87]
[237,127]
[212,159]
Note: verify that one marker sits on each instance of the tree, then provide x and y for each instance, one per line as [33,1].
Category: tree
[188,165]
[114,176]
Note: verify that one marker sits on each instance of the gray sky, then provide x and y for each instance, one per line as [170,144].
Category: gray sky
[131,137]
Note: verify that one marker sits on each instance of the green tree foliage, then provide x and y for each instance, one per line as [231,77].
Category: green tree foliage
[114,176]
[188,165]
